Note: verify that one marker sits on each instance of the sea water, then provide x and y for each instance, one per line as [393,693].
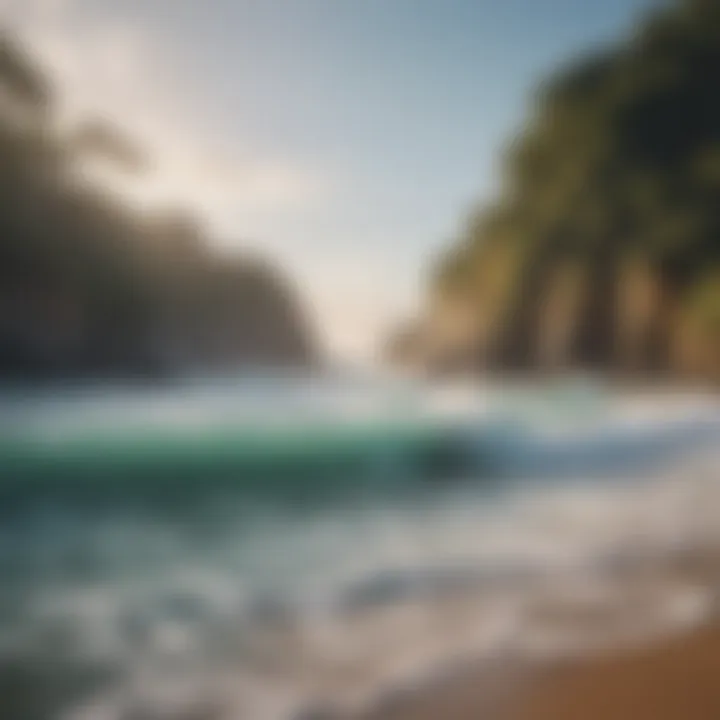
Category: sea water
[264,547]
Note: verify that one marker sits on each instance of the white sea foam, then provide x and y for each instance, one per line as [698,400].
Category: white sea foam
[260,611]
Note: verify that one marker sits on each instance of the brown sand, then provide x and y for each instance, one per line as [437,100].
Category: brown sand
[676,679]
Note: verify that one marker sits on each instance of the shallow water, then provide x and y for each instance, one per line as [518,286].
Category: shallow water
[453,523]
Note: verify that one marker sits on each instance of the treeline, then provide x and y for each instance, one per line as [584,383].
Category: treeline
[603,247]
[89,286]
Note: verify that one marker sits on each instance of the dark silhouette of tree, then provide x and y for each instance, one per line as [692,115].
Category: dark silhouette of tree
[87,286]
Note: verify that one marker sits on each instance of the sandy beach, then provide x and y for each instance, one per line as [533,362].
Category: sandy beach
[669,677]
[672,679]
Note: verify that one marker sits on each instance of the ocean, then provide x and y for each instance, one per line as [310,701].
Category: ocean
[282,547]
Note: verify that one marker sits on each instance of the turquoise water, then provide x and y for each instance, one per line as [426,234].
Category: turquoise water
[300,439]
[253,548]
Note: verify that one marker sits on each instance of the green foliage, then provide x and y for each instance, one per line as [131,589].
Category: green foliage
[620,159]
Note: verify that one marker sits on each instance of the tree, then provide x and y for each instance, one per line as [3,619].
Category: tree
[619,163]
[88,286]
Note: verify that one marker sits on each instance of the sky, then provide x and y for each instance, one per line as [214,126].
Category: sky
[346,140]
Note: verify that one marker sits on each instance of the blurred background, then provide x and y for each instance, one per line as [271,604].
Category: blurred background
[349,350]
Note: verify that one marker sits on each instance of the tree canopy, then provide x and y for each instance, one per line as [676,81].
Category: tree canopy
[618,166]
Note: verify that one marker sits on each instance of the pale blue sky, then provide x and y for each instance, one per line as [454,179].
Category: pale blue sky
[345,138]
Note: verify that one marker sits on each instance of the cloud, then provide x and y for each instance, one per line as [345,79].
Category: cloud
[114,69]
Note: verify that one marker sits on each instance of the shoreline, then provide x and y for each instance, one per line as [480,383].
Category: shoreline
[669,678]
[671,675]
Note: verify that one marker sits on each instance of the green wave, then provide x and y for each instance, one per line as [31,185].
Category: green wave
[174,465]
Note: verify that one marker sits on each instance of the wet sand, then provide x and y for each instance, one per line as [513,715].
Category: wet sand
[678,679]
[672,679]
